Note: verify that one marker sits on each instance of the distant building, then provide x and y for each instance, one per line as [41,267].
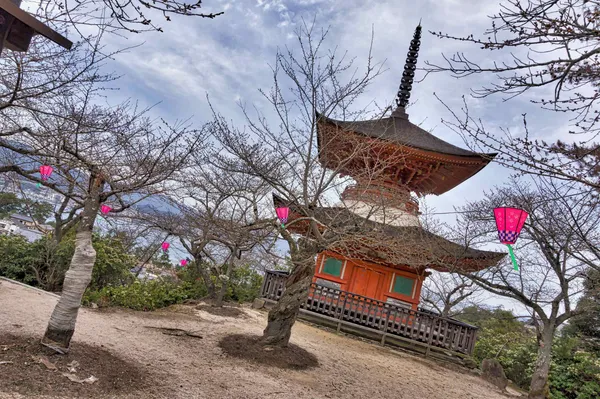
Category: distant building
[30,234]
[8,227]
[22,220]
[29,223]
[151,272]
[20,225]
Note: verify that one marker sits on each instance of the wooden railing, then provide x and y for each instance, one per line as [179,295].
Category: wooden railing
[422,326]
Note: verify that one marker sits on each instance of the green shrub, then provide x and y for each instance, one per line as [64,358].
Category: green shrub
[113,263]
[144,295]
[515,350]
[244,285]
[17,256]
[503,337]
[574,373]
[43,263]
[52,261]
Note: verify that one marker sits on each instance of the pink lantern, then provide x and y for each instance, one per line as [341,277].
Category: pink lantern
[183,262]
[45,172]
[165,246]
[282,214]
[105,209]
[510,222]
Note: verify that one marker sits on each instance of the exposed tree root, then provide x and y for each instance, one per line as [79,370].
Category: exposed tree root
[176,331]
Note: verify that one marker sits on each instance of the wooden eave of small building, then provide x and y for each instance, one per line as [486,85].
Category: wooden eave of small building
[29,21]
[436,252]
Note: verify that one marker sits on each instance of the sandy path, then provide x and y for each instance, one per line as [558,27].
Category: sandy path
[193,368]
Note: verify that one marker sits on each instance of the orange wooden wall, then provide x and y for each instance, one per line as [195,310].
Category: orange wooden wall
[370,279]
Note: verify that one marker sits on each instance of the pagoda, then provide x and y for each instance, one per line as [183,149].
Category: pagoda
[392,162]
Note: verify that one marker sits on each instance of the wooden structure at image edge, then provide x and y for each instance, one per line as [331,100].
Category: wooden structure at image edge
[378,320]
[17,28]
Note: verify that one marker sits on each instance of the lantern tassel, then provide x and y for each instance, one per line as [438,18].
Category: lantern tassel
[38,185]
[512,256]
[283,225]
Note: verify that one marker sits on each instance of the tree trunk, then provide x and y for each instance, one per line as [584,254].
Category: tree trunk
[225,283]
[58,233]
[446,311]
[210,285]
[221,294]
[62,322]
[283,316]
[539,381]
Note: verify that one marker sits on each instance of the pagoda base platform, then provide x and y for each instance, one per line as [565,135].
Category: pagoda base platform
[417,330]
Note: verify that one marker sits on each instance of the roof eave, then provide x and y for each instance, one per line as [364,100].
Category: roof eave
[474,155]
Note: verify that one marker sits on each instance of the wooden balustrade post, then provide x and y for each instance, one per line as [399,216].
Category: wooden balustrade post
[452,335]
[281,287]
[270,285]
[387,320]
[341,317]
[473,340]
[263,285]
[272,288]
[430,339]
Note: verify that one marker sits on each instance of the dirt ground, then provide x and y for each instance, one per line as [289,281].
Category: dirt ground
[132,358]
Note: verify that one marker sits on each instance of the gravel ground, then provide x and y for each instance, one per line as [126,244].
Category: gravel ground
[191,367]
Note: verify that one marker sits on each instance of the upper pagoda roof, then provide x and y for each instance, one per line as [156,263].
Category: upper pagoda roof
[393,149]
[398,129]
[407,155]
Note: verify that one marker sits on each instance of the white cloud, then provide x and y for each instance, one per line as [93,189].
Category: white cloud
[228,58]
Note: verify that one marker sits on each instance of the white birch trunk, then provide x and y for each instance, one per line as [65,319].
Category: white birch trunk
[62,322]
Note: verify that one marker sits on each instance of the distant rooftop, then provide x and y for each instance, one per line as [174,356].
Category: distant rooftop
[21,217]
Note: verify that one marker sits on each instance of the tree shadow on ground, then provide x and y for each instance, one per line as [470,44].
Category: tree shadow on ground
[250,348]
[21,370]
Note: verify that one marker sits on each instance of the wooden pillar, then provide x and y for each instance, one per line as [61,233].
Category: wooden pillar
[262,286]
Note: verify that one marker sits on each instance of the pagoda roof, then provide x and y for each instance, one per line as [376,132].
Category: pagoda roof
[398,129]
[411,246]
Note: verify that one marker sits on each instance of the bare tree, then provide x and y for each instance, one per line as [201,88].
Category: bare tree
[448,294]
[114,156]
[556,248]
[34,84]
[545,44]
[307,163]
[216,219]
[286,156]
[35,80]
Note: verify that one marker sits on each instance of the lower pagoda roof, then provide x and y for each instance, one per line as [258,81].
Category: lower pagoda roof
[367,240]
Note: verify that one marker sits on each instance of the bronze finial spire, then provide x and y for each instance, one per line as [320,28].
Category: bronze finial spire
[409,69]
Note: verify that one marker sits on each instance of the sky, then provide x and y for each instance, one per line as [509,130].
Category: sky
[228,58]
